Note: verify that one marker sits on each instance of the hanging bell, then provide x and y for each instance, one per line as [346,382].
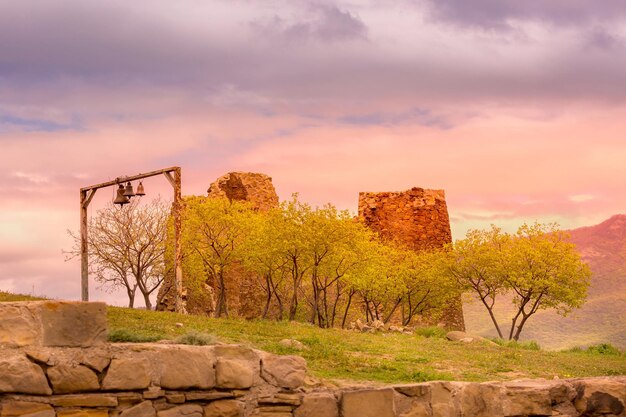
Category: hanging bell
[121,199]
[128,191]
[140,191]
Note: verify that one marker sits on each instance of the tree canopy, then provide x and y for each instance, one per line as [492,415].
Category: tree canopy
[537,265]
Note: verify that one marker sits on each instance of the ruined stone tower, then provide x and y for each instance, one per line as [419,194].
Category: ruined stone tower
[244,301]
[417,218]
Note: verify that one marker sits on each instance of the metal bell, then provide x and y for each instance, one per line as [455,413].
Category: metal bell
[128,191]
[140,191]
[121,199]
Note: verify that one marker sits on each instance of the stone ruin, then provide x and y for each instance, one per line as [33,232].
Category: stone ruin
[244,300]
[417,218]
[55,362]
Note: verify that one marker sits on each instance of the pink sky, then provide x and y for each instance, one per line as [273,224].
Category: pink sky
[516,109]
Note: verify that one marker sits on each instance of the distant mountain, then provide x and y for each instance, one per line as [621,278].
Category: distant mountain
[603,317]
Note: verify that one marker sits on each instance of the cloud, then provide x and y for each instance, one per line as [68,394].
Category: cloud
[498,14]
[323,22]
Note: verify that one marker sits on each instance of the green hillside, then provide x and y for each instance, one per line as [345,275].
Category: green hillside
[340,355]
[600,320]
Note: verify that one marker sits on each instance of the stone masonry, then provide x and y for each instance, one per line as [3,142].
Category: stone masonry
[244,300]
[417,218]
[166,380]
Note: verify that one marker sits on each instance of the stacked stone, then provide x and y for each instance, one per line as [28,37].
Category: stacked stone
[244,298]
[417,218]
[253,187]
[77,374]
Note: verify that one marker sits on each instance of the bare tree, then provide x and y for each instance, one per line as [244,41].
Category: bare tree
[127,247]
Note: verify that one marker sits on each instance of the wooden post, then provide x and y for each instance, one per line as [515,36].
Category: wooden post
[84,261]
[178,304]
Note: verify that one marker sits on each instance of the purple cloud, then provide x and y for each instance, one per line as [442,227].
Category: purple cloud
[495,14]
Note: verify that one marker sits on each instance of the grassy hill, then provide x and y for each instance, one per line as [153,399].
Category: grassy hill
[602,318]
[341,355]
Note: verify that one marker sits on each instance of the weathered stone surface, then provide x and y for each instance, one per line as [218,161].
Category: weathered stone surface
[412,400]
[11,408]
[96,358]
[18,374]
[74,324]
[187,410]
[186,367]
[82,413]
[246,186]
[417,218]
[128,373]
[84,400]
[209,396]
[444,398]
[284,371]
[19,325]
[317,405]
[143,409]
[175,398]
[293,344]
[601,396]
[52,323]
[527,398]
[224,408]
[481,400]
[234,374]
[72,379]
[368,403]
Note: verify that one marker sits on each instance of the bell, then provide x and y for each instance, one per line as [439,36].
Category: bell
[128,191]
[140,191]
[121,199]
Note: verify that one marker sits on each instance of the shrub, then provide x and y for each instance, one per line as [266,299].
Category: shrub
[604,349]
[196,338]
[514,344]
[433,331]
[126,335]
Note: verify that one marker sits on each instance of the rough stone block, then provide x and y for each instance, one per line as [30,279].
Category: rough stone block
[73,324]
[318,405]
[53,323]
[234,374]
[84,400]
[481,400]
[83,413]
[128,373]
[527,398]
[18,374]
[11,408]
[187,410]
[144,409]
[224,408]
[19,325]
[368,403]
[444,398]
[601,396]
[186,367]
[72,379]
[284,371]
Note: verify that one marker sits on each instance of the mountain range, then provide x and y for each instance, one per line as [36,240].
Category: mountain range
[602,319]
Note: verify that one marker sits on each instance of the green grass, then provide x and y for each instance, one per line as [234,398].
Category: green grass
[341,355]
[384,357]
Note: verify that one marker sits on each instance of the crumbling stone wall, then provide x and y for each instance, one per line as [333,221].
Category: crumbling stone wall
[244,298]
[417,218]
[253,187]
[45,376]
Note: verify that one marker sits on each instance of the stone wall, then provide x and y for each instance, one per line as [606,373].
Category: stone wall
[253,187]
[244,298]
[166,380]
[417,218]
